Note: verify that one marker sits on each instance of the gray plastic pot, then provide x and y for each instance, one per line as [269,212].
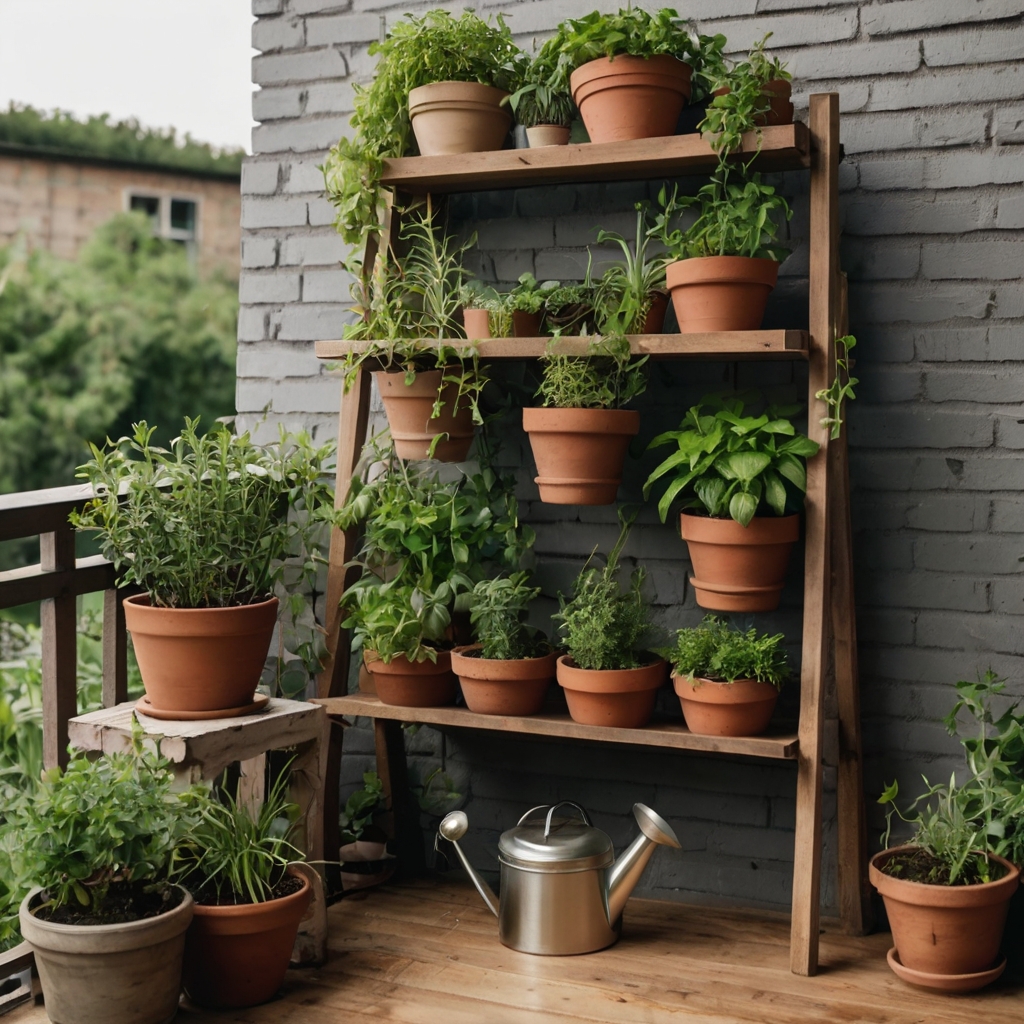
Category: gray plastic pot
[109,973]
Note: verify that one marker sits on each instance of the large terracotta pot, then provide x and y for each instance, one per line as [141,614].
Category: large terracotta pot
[619,698]
[109,973]
[739,568]
[408,408]
[458,117]
[720,293]
[580,452]
[543,135]
[477,323]
[625,97]
[413,684]
[741,708]
[944,929]
[494,687]
[779,91]
[237,956]
[200,659]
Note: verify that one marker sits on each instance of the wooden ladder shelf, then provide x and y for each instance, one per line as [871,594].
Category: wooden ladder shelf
[829,633]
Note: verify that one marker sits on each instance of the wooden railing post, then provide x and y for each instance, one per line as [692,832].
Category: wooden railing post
[59,621]
[115,649]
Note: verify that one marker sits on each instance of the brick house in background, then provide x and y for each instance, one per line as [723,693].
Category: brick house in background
[57,200]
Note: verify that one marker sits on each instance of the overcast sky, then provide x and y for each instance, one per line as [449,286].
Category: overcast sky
[167,62]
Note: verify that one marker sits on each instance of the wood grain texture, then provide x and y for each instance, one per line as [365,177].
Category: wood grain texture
[715,345]
[784,147]
[58,619]
[669,735]
[115,648]
[30,583]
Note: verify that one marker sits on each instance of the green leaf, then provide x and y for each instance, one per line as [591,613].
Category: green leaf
[774,492]
[742,507]
[745,466]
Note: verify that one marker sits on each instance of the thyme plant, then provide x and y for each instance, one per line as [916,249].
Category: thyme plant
[497,614]
[714,650]
[607,377]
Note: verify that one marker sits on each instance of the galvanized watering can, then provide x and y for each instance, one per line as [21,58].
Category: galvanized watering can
[562,891]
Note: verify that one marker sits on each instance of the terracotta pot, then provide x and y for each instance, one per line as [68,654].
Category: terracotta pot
[414,684]
[237,956]
[526,325]
[720,293]
[625,97]
[493,687]
[109,973]
[740,708]
[944,929]
[739,568]
[458,117]
[654,322]
[408,408]
[543,135]
[477,323]
[619,698]
[778,91]
[580,452]
[200,659]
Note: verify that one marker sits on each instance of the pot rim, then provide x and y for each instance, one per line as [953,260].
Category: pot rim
[663,64]
[700,270]
[725,529]
[544,419]
[142,603]
[764,691]
[237,910]
[407,667]
[510,671]
[650,676]
[480,88]
[933,895]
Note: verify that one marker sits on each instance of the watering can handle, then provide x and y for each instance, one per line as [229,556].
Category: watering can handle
[551,808]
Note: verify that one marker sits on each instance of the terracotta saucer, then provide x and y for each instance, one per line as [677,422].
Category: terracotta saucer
[143,707]
[945,982]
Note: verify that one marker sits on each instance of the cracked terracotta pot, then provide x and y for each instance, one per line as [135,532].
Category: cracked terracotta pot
[413,684]
[712,708]
[449,118]
[720,293]
[494,686]
[408,408]
[620,698]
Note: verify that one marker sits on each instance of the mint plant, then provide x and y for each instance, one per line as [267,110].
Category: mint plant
[714,650]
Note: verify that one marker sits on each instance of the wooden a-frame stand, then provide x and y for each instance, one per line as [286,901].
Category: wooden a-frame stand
[829,633]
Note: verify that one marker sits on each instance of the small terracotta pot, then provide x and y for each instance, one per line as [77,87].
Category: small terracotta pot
[200,659]
[493,687]
[654,322]
[408,408]
[413,684]
[779,91]
[526,325]
[237,956]
[720,293]
[619,698]
[739,568]
[543,135]
[944,929]
[580,452]
[625,97]
[458,117]
[712,708]
[477,323]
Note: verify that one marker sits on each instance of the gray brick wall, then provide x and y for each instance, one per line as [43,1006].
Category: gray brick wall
[932,215]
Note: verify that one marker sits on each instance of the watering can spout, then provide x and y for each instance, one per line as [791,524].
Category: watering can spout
[626,871]
[453,828]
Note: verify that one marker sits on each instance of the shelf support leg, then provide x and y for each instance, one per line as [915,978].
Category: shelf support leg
[401,818]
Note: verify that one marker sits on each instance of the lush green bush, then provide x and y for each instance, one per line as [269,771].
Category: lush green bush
[498,614]
[713,650]
[128,332]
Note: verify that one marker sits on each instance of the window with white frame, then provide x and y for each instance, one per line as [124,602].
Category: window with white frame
[173,217]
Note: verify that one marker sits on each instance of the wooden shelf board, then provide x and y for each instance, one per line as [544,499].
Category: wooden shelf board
[720,345]
[669,735]
[783,147]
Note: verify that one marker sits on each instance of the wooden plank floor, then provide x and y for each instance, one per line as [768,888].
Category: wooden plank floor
[428,953]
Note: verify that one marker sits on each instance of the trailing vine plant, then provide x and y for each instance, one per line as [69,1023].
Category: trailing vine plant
[840,389]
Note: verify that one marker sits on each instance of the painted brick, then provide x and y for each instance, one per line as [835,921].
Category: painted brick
[313,65]
[298,136]
[321,212]
[883,175]
[264,7]
[823,26]
[277,361]
[343,28]
[302,176]
[330,98]
[963,170]
[317,6]
[878,260]
[1009,123]
[1008,515]
[907,15]
[272,213]
[895,385]
[319,395]
[945,86]
[1010,429]
[259,178]
[1008,596]
[954,344]
[1010,213]
[917,589]
[253,324]
[917,213]
[960,385]
[270,34]
[949,513]
[885,344]
[921,426]
[967,632]
[326,285]
[854,59]
[966,554]
[313,322]
[917,301]
[515,233]
[275,287]
[259,251]
[978,47]
[313,249]
[274,104]
[988,259]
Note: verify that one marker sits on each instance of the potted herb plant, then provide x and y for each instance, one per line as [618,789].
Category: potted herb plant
[204,528]
[569,309]
[248,901]
[629,71]
[93,844]
[542,104]
[580,434]
[525,303]
[947,891]
[745,477]
[727,680]
[483,312]
[752,93]
[722,268]
[438,86]
[510,667]
[607,676]
[407,312]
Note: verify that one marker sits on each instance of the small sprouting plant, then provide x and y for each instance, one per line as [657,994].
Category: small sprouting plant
[840,389]
[499,607]
[607,377]
[528,296]
[713,650]
[625,291]
[604,625]
[544,96]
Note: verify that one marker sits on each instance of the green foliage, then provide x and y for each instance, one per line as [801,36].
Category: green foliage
[529,296]
[736,465]
[231,854]
[840,389]
[603,625]
[22,125]
[206,523]
[436,792]
[497,613]
[734,218]
[624,294]
[426,541]
[127,332]
[713,650]
[418,50]
[362,805]
[544,96]
[607,377]
[569,309]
